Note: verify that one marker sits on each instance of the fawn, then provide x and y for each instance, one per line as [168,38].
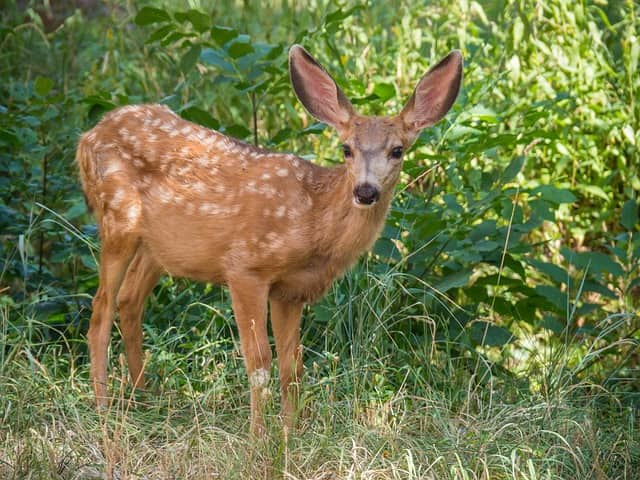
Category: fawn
[173,197]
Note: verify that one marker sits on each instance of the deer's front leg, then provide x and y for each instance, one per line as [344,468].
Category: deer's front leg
[249,299]
[285,321]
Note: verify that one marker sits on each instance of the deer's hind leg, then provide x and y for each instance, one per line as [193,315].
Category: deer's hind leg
[142,275]
[118,216]
[115,257]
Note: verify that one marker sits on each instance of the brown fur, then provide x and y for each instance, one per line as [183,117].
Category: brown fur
[171,196]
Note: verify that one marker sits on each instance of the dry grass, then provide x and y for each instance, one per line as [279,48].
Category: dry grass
[50,430]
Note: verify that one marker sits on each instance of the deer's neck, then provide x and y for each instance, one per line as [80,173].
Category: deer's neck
[344,230]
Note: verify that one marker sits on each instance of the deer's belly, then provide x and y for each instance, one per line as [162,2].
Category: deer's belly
[307,284]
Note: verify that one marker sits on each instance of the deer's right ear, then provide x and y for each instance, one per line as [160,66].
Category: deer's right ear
[316,89]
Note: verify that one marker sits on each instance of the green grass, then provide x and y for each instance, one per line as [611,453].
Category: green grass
[493,331]
[365,413]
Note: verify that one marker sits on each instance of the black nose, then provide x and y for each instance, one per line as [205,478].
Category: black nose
[366,194]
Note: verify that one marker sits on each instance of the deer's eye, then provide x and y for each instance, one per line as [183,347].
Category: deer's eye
[396,152]
[346,150]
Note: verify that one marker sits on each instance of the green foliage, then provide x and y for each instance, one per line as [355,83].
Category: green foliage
[511,256]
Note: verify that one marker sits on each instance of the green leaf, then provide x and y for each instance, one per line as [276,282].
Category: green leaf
[42,85]
[594,190]
[488,334]
[629,216]
[487,246]
[340,14]
[160,33]
[198,19]
[222,35]
[387,249]
[8,137]
[199,116]
[554,194]
[190,58]
[149,15]
[88,261]
[482,230]
[514,167]
[384,91]
[174,37]
[554,295]
[284,134]
[593,262]
[454,280]
[77,209]
[237,131]
[217,59]
[482,113]
[314,128]
[553,323]
[240,47]
[542,209]
[556,273]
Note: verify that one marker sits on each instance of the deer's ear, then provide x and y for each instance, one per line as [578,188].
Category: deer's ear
[435,93]
[316,89]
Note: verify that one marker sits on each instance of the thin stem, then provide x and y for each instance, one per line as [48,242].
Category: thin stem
[255,118]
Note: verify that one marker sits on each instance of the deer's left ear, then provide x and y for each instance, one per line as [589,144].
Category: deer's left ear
[434,95]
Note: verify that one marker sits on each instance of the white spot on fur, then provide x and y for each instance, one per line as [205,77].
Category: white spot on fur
[219,188]
[199,187]
[138,163]
[111,168]
[293,213]
[281,211]
[210,141]
[133,213]
[183,170]
[282,172]
[265,176]
[203,161]
[259,378]
[267,190]
[163,193]
[117,198]
[208,208]
[126,109]
[275,241]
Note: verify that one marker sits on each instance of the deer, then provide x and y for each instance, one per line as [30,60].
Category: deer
[173,197]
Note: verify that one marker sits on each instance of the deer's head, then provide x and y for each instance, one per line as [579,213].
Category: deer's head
[373,147]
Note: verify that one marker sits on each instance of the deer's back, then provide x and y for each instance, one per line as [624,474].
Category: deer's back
[203,204]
